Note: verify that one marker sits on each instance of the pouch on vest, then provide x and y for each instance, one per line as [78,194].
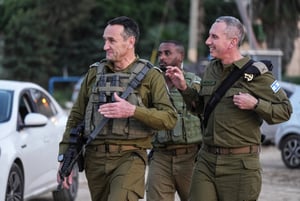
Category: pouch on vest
[106,84]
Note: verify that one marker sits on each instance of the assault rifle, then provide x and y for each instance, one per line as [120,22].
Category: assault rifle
[73,154]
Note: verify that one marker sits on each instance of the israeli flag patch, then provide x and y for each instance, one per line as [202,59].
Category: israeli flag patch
[275,86]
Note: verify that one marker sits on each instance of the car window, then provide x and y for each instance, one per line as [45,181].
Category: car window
[43,104]
[6,98]
[288,93]
[25,107]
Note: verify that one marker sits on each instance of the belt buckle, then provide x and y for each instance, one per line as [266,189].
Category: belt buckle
[106,146]
[217,150]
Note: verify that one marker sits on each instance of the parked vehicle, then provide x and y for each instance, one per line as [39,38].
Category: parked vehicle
[269,131]
[76,89]
[287,137]
[32,124]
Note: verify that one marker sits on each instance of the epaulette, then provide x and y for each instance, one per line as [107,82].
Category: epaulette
[158,69]
[192,78]
[146,62]
[98,63]
[257,68]
[143,61]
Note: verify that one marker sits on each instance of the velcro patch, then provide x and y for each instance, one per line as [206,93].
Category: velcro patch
[208,82]
[262,68]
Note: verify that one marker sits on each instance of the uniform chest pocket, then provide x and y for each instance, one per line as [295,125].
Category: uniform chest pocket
[234,91]
[207,90]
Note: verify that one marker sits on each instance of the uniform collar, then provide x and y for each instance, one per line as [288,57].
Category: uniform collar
[242,62]
[110,66]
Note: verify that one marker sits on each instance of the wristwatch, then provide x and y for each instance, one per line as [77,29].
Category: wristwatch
[60,158]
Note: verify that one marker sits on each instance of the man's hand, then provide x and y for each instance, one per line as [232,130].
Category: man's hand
[118,109]
[177,77]
[67,181]
[245,101]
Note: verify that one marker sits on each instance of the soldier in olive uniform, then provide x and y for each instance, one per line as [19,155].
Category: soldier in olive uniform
[115,161]
[228,166]
[174,151]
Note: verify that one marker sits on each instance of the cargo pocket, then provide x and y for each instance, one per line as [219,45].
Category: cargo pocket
[250,179]
[177,132]
[251,164]
[134,179]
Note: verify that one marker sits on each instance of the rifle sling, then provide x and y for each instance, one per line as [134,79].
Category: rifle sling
[224,86]
[131,86]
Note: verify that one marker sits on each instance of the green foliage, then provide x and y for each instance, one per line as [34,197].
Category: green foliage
[39,37]
[294,79]
[63,94]
[44,37]
[279,19]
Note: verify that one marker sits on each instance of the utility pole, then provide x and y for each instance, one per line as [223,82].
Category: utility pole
[193,31]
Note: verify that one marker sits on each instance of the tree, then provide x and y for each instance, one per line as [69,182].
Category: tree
[43,37]
[39,36]
[279,20]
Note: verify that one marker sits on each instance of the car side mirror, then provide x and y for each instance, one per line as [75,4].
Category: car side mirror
[35,120]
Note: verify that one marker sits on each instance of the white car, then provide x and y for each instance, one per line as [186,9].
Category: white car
[287,137]
[32,124]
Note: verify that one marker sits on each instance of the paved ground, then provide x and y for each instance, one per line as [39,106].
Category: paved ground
[279,182]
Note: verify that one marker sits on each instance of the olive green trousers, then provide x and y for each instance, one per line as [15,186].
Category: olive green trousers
[168,174]
[226,177]
[115,176]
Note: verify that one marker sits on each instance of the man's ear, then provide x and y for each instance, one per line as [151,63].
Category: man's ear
[131,41]
[182,57]
[234,42]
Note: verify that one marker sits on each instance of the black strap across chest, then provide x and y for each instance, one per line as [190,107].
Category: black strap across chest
[224,86]
[133,84]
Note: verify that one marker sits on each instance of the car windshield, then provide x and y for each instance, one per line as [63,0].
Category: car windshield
[6,98]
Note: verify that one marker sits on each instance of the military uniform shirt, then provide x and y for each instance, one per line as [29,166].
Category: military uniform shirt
[229,126]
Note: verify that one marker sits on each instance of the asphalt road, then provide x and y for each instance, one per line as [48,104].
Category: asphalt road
[279,182]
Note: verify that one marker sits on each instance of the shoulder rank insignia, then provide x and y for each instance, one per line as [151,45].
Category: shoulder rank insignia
[261,67]
[257,68]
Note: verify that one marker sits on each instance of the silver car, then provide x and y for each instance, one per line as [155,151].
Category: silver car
[287,137]
[269,131]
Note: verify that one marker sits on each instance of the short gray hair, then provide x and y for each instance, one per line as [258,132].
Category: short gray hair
[234,28]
